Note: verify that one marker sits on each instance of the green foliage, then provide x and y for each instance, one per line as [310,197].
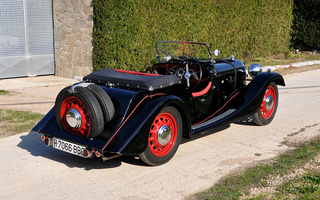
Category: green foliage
[125,32]
[236,185]
[305,187]
[306,25]
[4,92]
[13,122]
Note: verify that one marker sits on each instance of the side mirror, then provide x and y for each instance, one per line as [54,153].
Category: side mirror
[216,52]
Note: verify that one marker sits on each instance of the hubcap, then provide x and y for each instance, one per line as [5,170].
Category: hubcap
[74,118]
[164,135]
[269,102]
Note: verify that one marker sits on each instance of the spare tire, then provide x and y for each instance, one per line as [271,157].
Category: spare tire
[104,100]
[78,112]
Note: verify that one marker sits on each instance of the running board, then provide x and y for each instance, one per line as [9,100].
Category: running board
[217,118]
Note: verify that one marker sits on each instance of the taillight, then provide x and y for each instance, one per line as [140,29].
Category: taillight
[98,154]
[87,153]
[47,141]
[43,137]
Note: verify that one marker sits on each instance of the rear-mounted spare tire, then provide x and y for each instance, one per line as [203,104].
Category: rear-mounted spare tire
[104,101]
[77,111]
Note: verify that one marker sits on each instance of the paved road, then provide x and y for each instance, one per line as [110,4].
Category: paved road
[30,170]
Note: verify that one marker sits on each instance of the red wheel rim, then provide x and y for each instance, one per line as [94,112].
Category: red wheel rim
[265,110]
[161,121]
[73,102]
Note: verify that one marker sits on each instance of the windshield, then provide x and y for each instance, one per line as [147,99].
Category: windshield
[180,49]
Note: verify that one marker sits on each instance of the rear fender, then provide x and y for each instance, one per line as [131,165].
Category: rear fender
[129,129]
[44,120]
[132,138]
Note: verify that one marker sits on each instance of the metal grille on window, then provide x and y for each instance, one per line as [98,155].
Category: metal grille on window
[26,38]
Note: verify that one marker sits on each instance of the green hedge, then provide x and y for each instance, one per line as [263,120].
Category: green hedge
[306,25]
[125,32]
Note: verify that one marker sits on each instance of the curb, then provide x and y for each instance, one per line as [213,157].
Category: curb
[297,64]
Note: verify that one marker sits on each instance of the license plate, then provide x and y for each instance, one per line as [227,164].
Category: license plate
[68,147]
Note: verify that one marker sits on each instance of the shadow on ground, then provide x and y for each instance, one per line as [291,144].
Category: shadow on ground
[35,146]
[215,130]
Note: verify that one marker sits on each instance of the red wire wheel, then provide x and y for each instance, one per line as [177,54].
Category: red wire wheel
[164,137]
[163,134]
[268,107]
[80,124]
[78,112]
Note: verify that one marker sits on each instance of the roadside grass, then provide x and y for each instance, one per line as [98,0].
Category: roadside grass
[4,92]
[306,186]
[297,173]
[284,59]
[13,122]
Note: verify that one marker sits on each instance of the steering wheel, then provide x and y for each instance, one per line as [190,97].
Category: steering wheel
[196,77]
[192,73]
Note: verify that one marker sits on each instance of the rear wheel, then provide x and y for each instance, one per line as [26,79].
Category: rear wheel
[164,137]
[268,107]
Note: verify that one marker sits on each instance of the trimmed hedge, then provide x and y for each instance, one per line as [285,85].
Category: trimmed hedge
[306,25]
[125,32]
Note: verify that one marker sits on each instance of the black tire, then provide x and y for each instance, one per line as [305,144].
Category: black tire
[266,112]
[104,101]
[82,100]
[160,151]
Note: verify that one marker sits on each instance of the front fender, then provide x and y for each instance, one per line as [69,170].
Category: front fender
[257,87]
[246,102]
[254,93]
[261,82]
[132,137]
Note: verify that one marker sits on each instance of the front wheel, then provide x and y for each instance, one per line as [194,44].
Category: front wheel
[164,137]
[268,107]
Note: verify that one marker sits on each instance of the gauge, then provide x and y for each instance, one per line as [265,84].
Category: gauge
[180,73]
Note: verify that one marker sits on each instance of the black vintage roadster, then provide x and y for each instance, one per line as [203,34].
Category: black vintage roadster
[115,112]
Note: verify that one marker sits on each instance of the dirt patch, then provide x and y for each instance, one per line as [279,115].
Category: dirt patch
[35,99]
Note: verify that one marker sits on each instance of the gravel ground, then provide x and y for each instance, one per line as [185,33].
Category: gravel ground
[30,170]
[36,94]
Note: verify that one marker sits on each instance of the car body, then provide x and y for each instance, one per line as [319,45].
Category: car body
[116,112]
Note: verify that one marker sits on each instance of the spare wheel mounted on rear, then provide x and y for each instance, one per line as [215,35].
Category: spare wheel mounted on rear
[77,111]
[104,101]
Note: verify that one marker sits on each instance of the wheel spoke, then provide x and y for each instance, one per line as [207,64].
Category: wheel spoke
[265,113]
[73,102]
[163,119]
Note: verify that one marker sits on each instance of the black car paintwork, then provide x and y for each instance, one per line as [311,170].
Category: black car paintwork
[136,108]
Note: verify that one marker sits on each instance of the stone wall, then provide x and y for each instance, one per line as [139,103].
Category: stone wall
[72,37]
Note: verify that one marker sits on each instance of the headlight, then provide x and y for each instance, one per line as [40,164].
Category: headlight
[254,70]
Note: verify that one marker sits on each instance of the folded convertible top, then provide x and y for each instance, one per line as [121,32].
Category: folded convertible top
[129,79]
